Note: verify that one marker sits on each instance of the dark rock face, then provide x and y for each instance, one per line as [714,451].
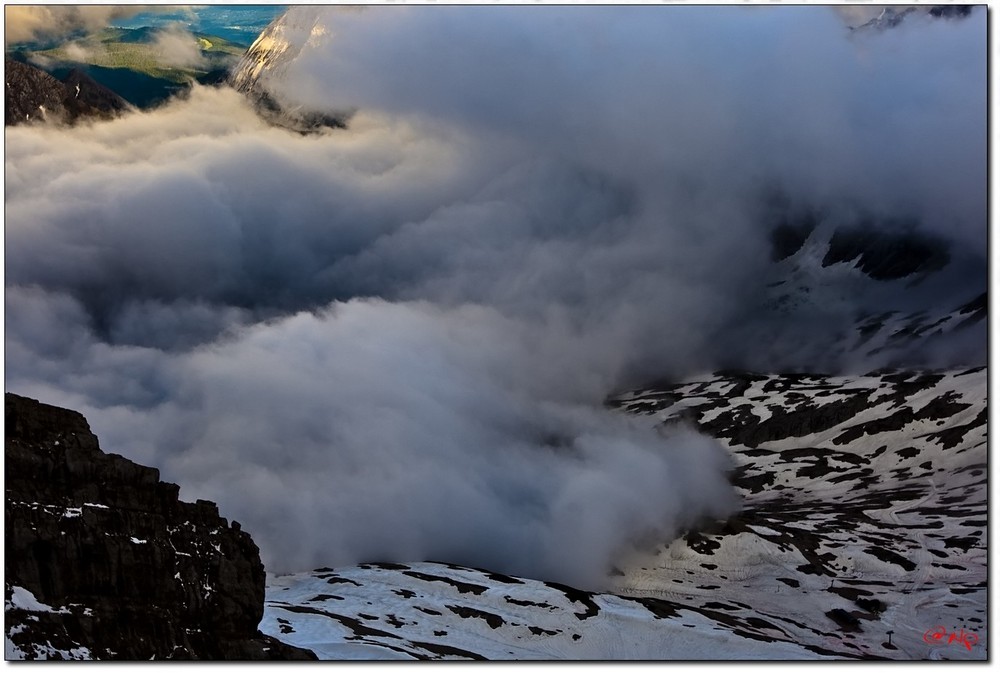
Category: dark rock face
[950,11]
[122,569]
[30,93]
[887,253]
[294,119]
[790,234]
[34,95]
[87,98]
[884,248]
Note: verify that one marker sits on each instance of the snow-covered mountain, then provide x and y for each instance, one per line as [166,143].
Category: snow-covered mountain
[862,535]
[266,61]
[274,48]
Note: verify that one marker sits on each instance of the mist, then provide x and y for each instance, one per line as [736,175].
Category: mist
[23,23]
[394,342]
[176,47]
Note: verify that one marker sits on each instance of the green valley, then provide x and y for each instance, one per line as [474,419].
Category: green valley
[144,65]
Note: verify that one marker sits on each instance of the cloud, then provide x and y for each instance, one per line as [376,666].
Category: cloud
[176,47]
[75,51]
[24,23]
[737,93]
[449,430]
[395,341]
[374,430]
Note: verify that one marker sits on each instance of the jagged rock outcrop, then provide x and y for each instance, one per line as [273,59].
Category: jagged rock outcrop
[85,97]
[883,249]
[30,93]
[887,252]
[34,95]
[104,562]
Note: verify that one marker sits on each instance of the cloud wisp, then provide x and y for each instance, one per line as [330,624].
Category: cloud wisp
[175,47]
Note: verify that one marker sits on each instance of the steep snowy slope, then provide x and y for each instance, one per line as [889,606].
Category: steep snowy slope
[862,535]
[275,47]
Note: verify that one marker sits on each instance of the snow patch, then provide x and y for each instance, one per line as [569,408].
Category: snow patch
[22,599]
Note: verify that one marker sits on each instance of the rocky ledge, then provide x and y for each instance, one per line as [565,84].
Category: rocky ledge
[104,562]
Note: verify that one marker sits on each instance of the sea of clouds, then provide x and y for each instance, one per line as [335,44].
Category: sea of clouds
[393,342]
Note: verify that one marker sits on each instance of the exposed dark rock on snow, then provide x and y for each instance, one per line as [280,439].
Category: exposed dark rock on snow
[882,250]
[976,310]
[790,235]
[950,11]
[890,17]
[867,492]
[31,94]
[104,562]
[887,251]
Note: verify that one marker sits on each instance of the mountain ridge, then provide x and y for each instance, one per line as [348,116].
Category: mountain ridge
[33,95]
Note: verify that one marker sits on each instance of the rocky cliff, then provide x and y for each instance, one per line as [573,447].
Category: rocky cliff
[104,562]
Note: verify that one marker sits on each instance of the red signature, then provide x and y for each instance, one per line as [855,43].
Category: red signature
[940,636]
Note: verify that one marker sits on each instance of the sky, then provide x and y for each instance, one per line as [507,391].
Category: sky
[394,342]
